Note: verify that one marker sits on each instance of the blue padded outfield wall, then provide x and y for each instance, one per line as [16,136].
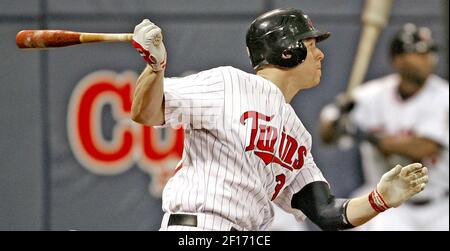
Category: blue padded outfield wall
[71,159]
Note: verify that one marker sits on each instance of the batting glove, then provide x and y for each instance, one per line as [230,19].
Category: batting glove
[399,184]
[147,39]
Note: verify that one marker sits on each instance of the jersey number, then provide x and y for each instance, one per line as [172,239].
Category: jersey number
[280,179]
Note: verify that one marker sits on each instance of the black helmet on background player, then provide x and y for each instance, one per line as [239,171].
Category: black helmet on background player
[412,39]
[276,38]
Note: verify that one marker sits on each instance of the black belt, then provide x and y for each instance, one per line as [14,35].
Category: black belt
[423,202]
[187,220]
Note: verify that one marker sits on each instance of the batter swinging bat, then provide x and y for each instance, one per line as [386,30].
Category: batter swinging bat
[374,19]
[60,38]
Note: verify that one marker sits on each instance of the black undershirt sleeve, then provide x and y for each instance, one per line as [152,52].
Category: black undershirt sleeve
[322,208]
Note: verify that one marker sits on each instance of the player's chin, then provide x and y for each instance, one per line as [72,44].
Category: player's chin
[316,81]
[316,84]
[318,76]
[313,83]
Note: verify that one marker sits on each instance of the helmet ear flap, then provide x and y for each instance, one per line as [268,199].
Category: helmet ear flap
[294,55]
[301,52]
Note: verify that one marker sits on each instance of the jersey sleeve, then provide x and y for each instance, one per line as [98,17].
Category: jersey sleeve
[195,101]
[308,173]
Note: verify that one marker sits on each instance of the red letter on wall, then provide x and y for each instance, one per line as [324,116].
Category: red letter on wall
[84,122]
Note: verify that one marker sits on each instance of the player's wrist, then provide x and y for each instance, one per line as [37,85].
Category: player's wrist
[146,55]
[377,201]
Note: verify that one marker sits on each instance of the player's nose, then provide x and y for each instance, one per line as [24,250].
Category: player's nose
[319,55]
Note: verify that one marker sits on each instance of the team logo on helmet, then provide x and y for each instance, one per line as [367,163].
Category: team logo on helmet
[310,23]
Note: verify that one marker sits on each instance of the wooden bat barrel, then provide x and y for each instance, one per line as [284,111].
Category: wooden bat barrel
[61,38]
[46,38]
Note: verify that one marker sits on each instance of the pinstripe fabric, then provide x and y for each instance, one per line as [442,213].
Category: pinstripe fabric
[226,112]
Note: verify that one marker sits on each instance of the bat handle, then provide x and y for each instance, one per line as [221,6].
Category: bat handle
[105,37]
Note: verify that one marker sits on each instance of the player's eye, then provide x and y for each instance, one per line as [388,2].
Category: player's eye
[310,43]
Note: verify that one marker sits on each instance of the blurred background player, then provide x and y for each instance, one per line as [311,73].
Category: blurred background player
[399,118]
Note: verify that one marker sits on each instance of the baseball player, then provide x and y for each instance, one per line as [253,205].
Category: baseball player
[244,145]
[403,117]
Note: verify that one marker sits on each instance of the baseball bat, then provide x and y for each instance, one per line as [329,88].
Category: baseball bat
[60,38]
[374,18]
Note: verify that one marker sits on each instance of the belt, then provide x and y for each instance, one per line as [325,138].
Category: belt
[425,201]
[422,202]
[187,220]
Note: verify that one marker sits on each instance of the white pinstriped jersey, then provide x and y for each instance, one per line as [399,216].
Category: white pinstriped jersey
[244,147]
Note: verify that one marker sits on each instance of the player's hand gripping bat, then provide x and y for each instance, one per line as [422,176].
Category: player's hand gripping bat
[59,38]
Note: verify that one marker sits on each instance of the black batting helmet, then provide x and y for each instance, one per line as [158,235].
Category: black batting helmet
[276,38]
[412,39]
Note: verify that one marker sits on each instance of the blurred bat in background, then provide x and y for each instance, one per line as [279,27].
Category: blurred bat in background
[375,16]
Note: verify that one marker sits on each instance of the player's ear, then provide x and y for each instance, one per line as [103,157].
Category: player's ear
[434,59]
[287,54]
[396,62]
